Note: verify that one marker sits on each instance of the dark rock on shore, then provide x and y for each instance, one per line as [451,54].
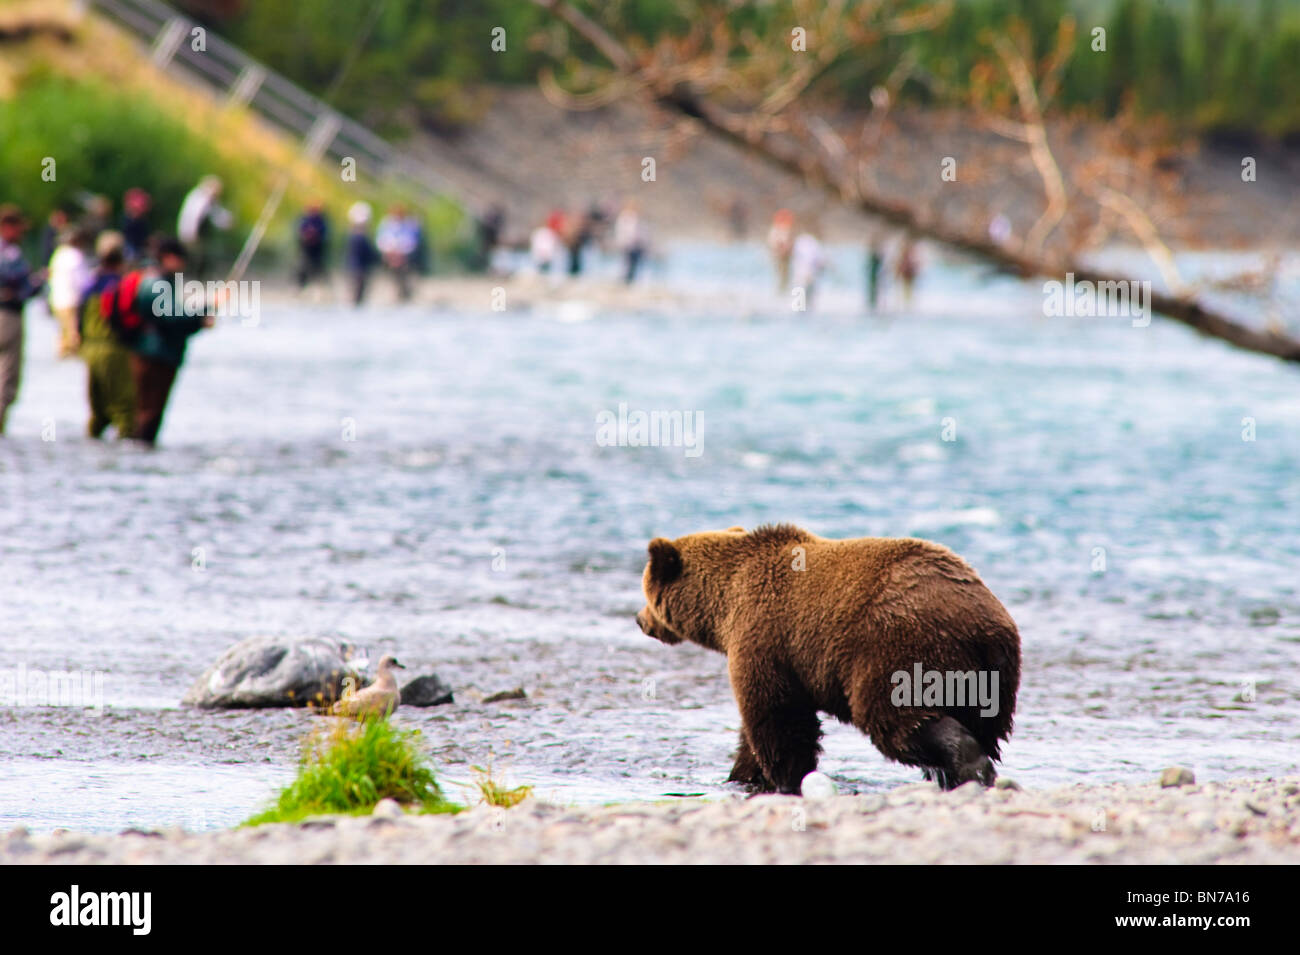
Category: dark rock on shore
[428,690]
[276,671]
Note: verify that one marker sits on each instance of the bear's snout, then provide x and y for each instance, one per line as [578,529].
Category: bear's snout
[652,628]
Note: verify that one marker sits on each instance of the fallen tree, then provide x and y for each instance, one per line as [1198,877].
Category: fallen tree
[695,74]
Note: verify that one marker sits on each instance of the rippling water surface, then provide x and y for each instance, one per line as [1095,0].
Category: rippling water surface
[1075,442]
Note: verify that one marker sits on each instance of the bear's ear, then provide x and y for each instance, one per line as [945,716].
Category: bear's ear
[665,561]
[735,530]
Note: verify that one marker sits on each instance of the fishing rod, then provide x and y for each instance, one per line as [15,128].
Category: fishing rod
[313,149]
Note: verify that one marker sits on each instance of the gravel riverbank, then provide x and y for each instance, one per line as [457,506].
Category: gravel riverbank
[1240,821]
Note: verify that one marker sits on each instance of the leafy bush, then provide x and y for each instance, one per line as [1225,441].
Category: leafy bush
[352,767]
[104,143]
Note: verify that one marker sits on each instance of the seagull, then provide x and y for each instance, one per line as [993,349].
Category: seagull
[378,699]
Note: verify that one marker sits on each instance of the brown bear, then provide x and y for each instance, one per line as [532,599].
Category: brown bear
[843,627]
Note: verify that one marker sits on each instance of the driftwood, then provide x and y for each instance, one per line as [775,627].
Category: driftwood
[673,88]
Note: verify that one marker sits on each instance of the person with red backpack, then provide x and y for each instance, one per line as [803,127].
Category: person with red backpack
[166,322]
[108,324]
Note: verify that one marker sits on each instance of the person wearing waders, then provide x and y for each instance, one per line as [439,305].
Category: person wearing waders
[360,256]
[18,283]
[166,327]
[107,324]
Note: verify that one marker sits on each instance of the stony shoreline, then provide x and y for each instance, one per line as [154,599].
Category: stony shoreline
[1236,822]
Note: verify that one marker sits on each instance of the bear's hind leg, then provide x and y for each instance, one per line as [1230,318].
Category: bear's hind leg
[746,769]
[950,755]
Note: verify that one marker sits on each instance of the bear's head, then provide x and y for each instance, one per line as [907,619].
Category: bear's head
[679,581]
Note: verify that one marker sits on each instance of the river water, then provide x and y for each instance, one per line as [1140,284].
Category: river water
[428,482]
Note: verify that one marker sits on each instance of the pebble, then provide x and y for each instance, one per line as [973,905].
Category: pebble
[387,809]
[818,786]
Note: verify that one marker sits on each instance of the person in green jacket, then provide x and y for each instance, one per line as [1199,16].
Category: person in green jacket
[109,384]
[160,350]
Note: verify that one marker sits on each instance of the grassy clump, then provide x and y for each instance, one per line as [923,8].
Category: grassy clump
[497,794]
[352,767]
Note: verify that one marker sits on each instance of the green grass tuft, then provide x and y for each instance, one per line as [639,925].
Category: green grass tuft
[497,794]
[351,767]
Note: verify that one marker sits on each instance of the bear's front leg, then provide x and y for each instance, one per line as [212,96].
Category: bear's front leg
[778,720]
[786,742]
[746,769]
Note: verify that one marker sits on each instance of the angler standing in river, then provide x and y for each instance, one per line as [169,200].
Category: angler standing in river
[360,257]
[166,327]
[18,284]
[110,388]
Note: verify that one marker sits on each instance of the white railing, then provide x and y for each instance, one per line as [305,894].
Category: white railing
[234,77]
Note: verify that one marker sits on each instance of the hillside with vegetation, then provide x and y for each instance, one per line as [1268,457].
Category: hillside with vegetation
[1205,66]
[78,98]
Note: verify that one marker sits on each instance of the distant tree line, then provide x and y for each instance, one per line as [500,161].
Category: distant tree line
[1211,66]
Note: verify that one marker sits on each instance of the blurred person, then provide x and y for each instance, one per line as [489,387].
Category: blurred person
[488,228]
[398,240]
[56,226]
[807,262]
[875,262]
[199,217]
[70,271]
[631,239]
[98,217]
[577,234]
[422,258]
[780,243]
[361,256]
[136,226]
[545,243]
[106,334]
[600,218]
[18,284]
[738,218]
[166,327]
[907,266]
[313,240]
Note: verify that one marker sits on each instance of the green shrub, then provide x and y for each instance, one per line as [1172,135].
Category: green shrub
[103,142]
[495,793]
[351,767]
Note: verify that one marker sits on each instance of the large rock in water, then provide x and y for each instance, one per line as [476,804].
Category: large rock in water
[276,671]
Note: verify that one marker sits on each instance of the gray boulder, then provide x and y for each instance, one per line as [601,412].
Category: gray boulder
[276,671]
[427,690]
[1177,776]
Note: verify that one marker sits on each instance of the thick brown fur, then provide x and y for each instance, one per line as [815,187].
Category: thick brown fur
[829,637]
